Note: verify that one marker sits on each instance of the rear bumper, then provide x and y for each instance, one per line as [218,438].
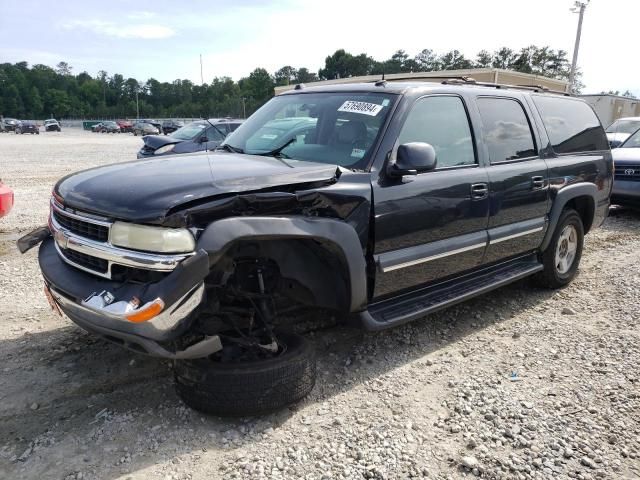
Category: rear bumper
[182,291]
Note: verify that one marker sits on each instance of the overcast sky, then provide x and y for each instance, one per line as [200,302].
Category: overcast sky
[164,38]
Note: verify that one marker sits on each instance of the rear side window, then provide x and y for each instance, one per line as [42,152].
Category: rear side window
[442,122]
[571,125]
[507,131]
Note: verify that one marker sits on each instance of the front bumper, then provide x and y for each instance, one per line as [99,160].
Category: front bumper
[182,291]
[626,192]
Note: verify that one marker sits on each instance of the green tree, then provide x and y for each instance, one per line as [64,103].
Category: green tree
[483,59]
[57,103]
[303,75]
[453,60]
[285,76]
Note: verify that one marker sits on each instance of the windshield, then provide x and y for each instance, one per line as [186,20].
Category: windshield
[189,131]
[47,122]
[335,128]
[633,141]
[624,126]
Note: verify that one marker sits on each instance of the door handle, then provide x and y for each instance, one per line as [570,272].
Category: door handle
[479,191]
[537,182]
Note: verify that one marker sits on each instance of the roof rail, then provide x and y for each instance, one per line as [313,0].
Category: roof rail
[533,88]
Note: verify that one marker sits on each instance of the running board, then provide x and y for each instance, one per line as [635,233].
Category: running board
[396,311]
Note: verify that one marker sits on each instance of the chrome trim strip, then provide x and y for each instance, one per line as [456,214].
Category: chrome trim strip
[516,235]
[114,255]
[58,208]
[433,257]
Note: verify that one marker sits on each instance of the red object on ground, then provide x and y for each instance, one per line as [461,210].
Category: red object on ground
[6,199]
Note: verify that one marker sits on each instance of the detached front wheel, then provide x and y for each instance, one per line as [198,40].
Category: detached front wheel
[227,386]
[562,257]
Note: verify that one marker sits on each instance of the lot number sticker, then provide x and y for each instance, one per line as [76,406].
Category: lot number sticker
[371,109]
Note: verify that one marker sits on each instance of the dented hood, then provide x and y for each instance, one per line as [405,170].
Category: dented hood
[145,191]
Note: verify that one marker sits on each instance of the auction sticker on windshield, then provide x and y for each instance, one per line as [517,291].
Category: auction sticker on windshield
[371,109]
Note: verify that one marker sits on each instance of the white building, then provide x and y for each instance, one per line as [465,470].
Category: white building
[611,107]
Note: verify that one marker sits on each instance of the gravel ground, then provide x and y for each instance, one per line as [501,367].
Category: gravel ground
[521,383]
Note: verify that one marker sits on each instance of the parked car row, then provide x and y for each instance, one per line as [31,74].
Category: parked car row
[28,126]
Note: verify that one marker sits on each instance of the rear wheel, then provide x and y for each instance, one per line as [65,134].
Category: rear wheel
[237,381]
[562,257]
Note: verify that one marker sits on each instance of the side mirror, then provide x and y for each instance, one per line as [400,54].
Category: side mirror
[412,158]
[204,139]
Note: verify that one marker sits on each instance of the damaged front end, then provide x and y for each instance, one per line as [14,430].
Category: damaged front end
[260,258]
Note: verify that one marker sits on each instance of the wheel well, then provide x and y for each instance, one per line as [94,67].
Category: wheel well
[585,207]
[314,273]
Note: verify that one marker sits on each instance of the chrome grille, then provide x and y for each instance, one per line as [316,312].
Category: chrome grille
[628,173]
[93,263]
[81,227]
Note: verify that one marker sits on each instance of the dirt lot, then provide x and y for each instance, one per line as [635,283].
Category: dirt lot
[522,383]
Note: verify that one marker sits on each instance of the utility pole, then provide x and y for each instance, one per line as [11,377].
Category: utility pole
[244,108]
[578,7]
[201,76]
[137,106]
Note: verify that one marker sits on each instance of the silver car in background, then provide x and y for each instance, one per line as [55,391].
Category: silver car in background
[621,129]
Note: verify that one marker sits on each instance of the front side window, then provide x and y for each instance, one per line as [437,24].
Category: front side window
[572,126]
[335,128]
[443,123]
[506,130]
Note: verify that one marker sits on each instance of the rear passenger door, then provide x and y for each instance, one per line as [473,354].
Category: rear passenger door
[518,178]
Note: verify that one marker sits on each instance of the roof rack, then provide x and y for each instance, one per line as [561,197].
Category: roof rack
[471,81]
[467,80]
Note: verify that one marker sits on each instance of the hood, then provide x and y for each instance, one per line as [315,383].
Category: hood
[145,191]
[156,141]
[625,155]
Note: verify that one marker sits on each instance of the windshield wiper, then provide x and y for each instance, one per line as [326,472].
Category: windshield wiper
[277,152]
[229,148]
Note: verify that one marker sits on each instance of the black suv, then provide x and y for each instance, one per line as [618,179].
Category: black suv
[379,203]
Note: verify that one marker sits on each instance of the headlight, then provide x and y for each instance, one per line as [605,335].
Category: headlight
[152,239]
[165,149]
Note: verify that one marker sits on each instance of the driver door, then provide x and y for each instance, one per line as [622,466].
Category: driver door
[432,225]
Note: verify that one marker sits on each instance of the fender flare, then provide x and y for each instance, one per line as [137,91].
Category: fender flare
[560,201]
[220,235]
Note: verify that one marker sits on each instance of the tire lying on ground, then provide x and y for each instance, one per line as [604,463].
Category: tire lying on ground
[248,387]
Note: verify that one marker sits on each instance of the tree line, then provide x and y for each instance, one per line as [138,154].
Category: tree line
[39,91]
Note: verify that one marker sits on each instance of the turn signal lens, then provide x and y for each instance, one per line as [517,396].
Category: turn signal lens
[147,312]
